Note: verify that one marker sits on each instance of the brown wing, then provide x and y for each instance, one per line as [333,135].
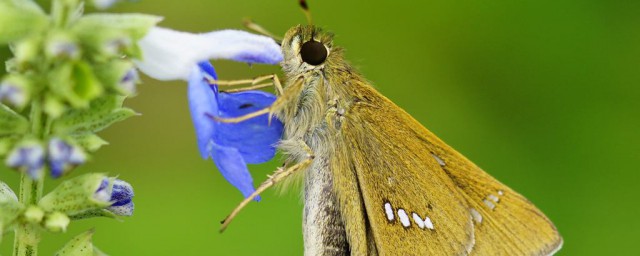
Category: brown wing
[421,197]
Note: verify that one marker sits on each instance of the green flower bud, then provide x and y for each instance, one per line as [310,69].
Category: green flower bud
[53,106]
[56,222]
[33,214]
[120,75]
[27,54]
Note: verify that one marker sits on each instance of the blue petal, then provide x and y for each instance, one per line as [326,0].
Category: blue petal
[202,101]
[233,168]
[121,193]
[255,138]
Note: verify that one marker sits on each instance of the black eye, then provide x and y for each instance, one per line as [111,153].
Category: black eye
[313,52]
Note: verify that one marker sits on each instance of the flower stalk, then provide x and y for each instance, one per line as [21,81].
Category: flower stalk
[27,235]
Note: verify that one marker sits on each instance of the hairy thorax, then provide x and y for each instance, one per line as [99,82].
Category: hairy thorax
[313,128]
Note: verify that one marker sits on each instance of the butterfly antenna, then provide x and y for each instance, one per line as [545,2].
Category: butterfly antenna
[305,9]
[248,23]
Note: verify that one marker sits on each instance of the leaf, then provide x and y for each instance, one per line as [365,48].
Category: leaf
[134,25]
[20,19]
[10,208]
[80,245]
[89,141]
[94,213]
[11,122]
[101,113]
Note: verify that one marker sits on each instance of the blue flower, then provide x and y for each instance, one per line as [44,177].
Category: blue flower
[232,146]
[170,55]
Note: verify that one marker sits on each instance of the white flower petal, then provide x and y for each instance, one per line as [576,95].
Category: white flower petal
[169,55]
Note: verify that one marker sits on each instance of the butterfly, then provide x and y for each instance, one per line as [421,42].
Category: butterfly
[376,181]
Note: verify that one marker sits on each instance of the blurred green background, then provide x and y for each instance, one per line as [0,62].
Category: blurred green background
[544,95]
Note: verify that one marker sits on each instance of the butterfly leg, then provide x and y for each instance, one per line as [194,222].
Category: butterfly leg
[272,179]
[286,96]
[255,83]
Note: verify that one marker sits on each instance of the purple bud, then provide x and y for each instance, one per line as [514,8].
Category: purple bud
[63,156]
[121,196]
[28,157]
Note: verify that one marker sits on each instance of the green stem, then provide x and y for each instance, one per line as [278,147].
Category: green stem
[27,234]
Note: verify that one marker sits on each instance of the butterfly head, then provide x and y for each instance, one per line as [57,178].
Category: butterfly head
[306,48]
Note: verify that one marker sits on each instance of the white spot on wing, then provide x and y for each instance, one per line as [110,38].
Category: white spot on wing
[476,215]
[404,218]
[500,192]
[418,220]
[489,204]
[389,210]
[493,197]
[428,223]
[438,159]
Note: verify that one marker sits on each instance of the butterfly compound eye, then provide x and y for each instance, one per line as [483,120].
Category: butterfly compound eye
[313,52]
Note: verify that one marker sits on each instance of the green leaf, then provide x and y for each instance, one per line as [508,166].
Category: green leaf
[94,213]
[89,141]
[12,122]
[80,245]
[20,19]
[76,195]
[101,113]
[10,208]
[134,25]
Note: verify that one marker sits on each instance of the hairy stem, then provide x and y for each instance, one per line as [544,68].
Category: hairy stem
[27,234]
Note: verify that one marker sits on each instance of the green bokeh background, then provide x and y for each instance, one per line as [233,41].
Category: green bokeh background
[544,95]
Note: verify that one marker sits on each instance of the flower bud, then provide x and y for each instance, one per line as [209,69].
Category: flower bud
[103,4]
[62,46]
[90,195]
[128,82]
[56,222]
[33,214]
[63,156]
[121,196]
[27,157]
[15,91]
[78,195]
